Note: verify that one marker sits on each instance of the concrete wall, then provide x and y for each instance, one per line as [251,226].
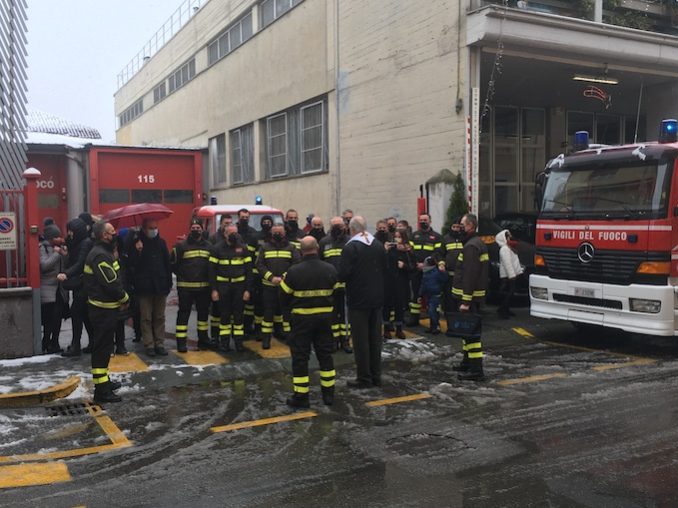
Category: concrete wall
[16,314]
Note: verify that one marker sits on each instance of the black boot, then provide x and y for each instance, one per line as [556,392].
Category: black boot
[225,344]
[266,342]
[346,345]
[328,395]
[103,393]
[115,385]
[238,345]
[299,401]
[461,367]
[181,346]
[472,375]
[399,332]
[72,352]
[205,345]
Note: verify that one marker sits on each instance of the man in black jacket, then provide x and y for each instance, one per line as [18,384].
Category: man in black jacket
[150,262]
[363,262]
[307,290]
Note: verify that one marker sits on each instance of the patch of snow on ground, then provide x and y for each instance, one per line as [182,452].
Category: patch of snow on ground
[18,362]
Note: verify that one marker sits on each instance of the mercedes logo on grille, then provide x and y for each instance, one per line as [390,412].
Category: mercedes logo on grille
[585,252]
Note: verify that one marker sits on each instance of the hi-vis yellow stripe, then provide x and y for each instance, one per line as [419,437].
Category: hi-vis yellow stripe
[312,293]
[278,254]
[332,253]
[485,257]
[196,254]
[312,310]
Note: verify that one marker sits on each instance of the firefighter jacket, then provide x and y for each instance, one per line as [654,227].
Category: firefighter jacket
[250,237]
[452,246]
[472,271]
[275,259]
[308,287]
[230,264]
[102,278]
[330,252]
[293,236]
[190,262]
[425,244]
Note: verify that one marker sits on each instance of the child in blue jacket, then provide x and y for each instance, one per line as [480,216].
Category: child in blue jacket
[432,285]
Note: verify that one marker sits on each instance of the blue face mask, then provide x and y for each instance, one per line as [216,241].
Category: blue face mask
[151,233]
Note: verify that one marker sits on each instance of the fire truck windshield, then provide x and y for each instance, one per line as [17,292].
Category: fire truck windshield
[639,190]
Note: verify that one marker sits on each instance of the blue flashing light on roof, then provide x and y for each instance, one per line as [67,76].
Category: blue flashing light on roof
[581,140]
[258,200]
[668,132]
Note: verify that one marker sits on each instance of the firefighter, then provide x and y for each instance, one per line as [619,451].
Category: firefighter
[469,285]
[452,246]
[190,262]
[230,275]
[225,221]
[263,236]
[249,237]
[106,297]
[330,251]
[275,258]
[292,231]
[308,291]
[425,243]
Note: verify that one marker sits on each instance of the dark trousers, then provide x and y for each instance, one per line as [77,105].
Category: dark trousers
[450,303]
[367,341]
[395,300]
[306,332]
[104,322]
[473,347]
[231,307]
[201,299]
[340,329]
[509,288]
[79,317]
[415,307]
[432,303]
[51,315]
[271,302]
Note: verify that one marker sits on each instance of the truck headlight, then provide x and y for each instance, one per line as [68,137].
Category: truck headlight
[539,293]
[642,305]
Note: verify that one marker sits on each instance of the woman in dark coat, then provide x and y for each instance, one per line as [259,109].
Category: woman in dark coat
[400,262]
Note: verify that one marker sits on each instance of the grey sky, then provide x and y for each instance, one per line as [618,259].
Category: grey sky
[76,48]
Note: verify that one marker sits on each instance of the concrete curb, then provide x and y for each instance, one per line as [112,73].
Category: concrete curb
[37,397]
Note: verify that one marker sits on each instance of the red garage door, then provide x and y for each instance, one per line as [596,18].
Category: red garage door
[121,176]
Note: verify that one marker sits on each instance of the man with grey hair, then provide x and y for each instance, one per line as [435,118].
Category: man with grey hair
[363,264]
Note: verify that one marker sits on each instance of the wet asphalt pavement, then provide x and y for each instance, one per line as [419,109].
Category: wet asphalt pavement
[565,418]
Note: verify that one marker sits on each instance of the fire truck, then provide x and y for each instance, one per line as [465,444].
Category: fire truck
[607,236]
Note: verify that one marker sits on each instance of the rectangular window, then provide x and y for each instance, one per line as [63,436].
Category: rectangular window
[217,157]
[271,10]
[276,135]
[296,140]
[178,196]
[312,142]
[246,24]
[242,154]
[213,52]
[234,37]
[159,93]
[114,196]
[146,196]
[132,112]
[230,39]
[182,75]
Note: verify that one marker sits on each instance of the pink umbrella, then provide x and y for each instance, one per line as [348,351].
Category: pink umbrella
[134,215]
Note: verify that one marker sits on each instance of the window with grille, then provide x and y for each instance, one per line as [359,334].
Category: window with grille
[230,39]
[242,155]
[270,10]
[217,158]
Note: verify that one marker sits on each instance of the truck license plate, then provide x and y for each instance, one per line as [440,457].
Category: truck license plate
[585,292]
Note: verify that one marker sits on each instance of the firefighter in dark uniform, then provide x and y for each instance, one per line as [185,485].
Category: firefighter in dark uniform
[263,236]
[452,246]
[230,275]
[105,297]
[308,291]
[224,221]
[425,243]
[330,251]
[190,262]
[469,286]
[292,231]
[273,261]
[249,237]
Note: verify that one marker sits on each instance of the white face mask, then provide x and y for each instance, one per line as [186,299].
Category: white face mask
[152,233]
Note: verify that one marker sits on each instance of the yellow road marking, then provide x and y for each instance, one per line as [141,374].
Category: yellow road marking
[117,437]
[613,366]
[531,379]
[278,349]
[202,358]
[129,363]
[523,332]
[398,400]
[26,475]
[34,397]
[264,421]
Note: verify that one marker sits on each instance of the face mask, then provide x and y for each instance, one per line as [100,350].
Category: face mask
[277,237]
[423,226]
[398,240]
[196,235]
[391,228]
[151,233]
[346,220]
[455,234]
[382,236]
[265,227]
[318,234]
[232,238]
[337,231]
[292,225]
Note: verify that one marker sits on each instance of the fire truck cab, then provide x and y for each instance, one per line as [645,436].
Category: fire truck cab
[211,215]
[607,237]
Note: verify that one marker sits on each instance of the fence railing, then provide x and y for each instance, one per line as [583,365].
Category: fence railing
[177,20]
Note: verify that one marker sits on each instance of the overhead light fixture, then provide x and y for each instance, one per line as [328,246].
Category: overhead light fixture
[605,80]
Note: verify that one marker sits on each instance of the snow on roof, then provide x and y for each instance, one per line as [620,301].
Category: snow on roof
[46,123]
[43,138]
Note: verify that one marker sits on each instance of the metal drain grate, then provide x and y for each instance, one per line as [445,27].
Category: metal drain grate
[75,409]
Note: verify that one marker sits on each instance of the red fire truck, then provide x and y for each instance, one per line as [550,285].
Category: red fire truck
[607,237]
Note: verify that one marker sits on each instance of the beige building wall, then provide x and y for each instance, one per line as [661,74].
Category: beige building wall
[397,80]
